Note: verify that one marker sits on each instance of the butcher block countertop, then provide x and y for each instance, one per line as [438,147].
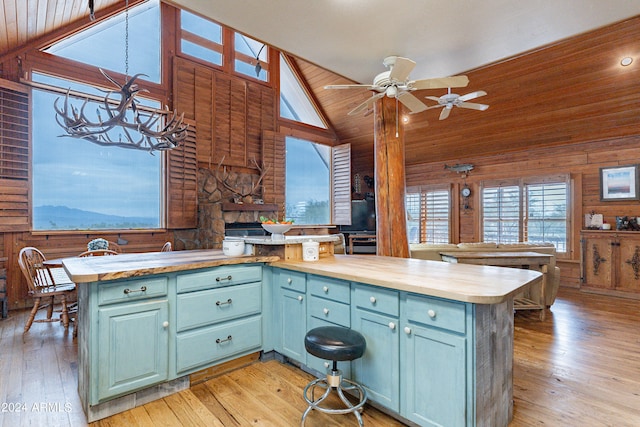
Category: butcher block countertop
[460,282]
[124,266]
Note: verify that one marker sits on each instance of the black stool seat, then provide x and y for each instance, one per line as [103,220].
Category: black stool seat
[335,343]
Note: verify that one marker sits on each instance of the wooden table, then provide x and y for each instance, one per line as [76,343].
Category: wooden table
[528,260]
[362,238]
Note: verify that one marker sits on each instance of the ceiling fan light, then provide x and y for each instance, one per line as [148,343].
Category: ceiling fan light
[626,61]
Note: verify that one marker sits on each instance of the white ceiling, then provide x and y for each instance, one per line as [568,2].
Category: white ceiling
[444,37]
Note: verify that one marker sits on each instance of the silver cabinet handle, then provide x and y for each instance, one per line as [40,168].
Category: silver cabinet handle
[165,324]
[431,313]
[407,330]
[325,289]
[289,280]
[220,279]
[392,325]
[300,298]
[219,341]
[325,311]
[130,291]
[372,300]
[219,303]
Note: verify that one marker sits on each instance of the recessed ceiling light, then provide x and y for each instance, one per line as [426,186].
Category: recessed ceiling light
[627,60]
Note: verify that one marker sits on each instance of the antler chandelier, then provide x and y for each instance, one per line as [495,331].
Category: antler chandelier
[136,128]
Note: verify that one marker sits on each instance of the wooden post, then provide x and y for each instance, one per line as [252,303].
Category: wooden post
[391,223]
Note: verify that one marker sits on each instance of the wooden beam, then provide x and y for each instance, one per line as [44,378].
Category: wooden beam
[391,225]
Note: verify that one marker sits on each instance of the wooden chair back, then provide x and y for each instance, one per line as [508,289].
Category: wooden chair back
[38,276]
[166,247]
[98,252]
[113,246]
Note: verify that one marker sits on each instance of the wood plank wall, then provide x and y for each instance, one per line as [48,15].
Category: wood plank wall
[581,161]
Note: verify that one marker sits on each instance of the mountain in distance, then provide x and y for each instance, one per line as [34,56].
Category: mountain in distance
[65,218]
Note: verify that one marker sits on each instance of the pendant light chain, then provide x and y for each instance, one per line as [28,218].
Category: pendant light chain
[126,40]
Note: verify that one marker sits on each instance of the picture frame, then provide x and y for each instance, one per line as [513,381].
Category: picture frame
[619,183]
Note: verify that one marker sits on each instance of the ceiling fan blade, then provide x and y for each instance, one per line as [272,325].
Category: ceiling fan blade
[472,95]
[473,106]
[401,69]
[365,104]
[433,98]
[411,102]
[440,83]
[434,106]
[445,113]
[356,86]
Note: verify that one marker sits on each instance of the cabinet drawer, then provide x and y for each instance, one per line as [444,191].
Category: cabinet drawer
[206,345]
[333,289]
[295,280]
[377,299]
[132,290]
[443,314]
[217,277]
[216,305]
[330,311]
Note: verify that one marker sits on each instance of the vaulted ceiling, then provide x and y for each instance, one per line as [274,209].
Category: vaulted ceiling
[565,71]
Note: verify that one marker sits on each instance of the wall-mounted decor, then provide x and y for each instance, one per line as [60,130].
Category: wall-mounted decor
[619,183]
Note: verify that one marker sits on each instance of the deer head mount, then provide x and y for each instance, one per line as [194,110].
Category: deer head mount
[244,193]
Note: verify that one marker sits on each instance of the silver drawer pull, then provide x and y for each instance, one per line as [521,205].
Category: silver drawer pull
[219,303]
[220,279]
[129,291]
[219,341]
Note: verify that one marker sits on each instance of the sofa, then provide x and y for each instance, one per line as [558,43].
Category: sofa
[431,251]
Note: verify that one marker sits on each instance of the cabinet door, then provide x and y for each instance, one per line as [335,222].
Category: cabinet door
[134,347]
[598,258]
[434,377]
[293,323]
[628,279]
[379,368]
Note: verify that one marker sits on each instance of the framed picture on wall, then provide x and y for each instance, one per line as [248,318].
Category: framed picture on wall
[619,183]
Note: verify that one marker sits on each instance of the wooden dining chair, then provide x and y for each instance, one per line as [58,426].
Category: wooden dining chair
[166,247]
[42,286]
[98,252]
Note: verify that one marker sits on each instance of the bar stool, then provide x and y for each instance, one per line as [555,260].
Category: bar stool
[334,343]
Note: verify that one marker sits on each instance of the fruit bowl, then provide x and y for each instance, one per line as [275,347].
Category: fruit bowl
[277,230]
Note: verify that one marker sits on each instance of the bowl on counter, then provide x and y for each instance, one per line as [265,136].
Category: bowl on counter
[233,247]
[277,230]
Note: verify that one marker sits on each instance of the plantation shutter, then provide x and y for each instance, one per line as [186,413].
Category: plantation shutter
[15,128]
[274,182]
[546,214]
[501,214]
[182,182]
[341,184]
[428,215]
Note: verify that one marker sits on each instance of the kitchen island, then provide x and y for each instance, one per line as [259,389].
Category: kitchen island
[147,321]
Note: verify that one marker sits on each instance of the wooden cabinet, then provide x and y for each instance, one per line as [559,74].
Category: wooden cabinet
[133,349]
[375,314]
[610,262]
[434,356]
[291,313]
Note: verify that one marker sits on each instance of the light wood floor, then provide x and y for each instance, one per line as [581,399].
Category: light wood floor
[580,367]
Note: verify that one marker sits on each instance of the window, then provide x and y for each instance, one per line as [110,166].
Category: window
[200,38]
[308,182]
[246,52]
[428,215]
[78,185]
[531,210]
[103,45]
[294,102]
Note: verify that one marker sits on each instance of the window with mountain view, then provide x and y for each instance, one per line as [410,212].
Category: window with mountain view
[78,185]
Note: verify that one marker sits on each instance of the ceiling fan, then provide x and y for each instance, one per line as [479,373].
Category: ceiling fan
[395,83]
[451,100]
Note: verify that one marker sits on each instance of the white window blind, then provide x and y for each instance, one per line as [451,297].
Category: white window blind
[501,214]
[546,214]
[428,216]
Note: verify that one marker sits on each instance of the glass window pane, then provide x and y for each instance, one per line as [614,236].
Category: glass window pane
[294,102]
[308,188]
[103,45]
[250,47]
[250,70]
[201,52]
[501,214]
[81,185]
[200,26]
[547,214]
